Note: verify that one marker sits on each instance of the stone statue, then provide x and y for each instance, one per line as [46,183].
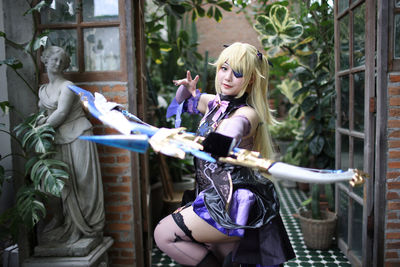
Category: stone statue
[82,197]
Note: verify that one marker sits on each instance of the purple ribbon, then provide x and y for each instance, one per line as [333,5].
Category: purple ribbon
[222,106]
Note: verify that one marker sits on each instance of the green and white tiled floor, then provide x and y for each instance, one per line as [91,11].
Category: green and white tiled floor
[290,199]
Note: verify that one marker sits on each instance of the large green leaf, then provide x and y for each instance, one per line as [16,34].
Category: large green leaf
[317,144]
[5,106]
[288,87]
[165,47]
[315,208]
[308,103]
[150,27]
[49,175]
[265,26]
[279,15]
[39,6]
[40,139]
[210,12]
[309,131]
[274,51]
[200,11]
[184,35]
[29,205]
[39,42]
[29,164]
[194,15]
[294,32]
[277,29]
[225,5]
[27,123]
[12,63]
[217,15]
[175,10]
[262,20]
[330,196]
[34,137]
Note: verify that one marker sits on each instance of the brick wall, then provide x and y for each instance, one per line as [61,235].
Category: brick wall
[392,222]
[232,28]
[116,174]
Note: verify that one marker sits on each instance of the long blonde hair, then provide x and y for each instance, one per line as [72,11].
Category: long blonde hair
[246,59]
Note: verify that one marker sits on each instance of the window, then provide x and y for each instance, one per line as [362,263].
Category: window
[92,32]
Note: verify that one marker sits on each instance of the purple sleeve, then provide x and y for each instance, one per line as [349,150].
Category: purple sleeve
[236,127]
[183,102]
[190,104]
[182,94]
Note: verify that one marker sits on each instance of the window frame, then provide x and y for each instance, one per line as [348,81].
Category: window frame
[79,25]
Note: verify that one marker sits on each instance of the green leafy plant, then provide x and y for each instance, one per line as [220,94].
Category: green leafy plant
[308,59]
[162,15]
[285,130]
[317,74]
[30,48]
[277,30]
[43,175]
[304,55]
[313,203]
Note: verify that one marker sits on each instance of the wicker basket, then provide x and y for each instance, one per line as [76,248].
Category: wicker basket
[318,234]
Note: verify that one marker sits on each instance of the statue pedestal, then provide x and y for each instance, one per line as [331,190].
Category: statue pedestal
[97,257]
[80,248]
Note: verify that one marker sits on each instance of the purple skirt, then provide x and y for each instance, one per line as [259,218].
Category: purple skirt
[242,201]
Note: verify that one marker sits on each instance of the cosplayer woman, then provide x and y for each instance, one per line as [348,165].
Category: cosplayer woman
[236,210]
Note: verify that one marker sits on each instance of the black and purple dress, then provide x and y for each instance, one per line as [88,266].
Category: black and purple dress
[236,200]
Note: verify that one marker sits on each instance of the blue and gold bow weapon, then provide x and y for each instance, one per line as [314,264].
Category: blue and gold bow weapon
[177,142]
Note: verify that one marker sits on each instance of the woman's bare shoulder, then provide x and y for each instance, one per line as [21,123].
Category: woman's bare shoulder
[207,97]
[203,102]
[246,111]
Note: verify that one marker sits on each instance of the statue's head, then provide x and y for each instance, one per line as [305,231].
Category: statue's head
[56,51]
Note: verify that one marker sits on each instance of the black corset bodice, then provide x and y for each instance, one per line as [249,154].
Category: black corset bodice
[209,173]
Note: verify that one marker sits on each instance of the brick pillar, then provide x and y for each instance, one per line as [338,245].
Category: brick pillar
[117,182]
[392,225]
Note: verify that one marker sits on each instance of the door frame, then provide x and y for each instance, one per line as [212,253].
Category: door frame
[369,129]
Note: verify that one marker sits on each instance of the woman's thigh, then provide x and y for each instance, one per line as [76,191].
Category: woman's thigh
[201,230]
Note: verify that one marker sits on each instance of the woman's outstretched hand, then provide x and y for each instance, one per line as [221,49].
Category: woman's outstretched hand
[188,82]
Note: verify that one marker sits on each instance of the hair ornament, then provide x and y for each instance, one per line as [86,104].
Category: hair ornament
[259,55]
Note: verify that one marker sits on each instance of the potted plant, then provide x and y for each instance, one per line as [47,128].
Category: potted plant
[317,221]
